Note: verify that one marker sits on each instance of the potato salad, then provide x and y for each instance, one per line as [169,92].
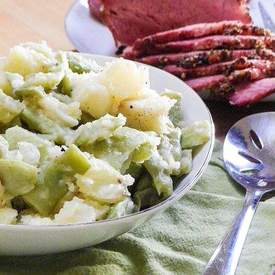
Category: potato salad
[81,142]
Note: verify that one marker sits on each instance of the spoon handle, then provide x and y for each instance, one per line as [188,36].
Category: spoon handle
[225,259]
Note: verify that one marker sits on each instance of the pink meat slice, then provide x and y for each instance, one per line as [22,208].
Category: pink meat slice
[96,8]
[164,59]
[213,42]
[133,19]
[259,63]
[205,43]
[222,85]
[266,54]
[249,93]
[249,74]
[208,70]
[197,58]
[225,88]
[207,82]
[218,68]
[199,30]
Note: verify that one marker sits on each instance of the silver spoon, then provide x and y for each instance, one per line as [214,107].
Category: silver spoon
[249,157]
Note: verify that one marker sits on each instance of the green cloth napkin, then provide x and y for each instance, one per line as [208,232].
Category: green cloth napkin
[177,241]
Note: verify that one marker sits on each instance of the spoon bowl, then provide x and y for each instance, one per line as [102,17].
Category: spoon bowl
[249,157]
[249,152]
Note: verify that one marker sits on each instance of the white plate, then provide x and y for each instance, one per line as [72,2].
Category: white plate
[27,240]
[90,36]
[86,33]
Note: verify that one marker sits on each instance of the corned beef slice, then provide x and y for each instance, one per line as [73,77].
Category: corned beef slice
[197,58]
[221,84]
[206,82]
[132,19]
[250,93]
[204,43]
[212,42]
[249,74]
[199,30]
[199,71]
[266,54]
[219,68]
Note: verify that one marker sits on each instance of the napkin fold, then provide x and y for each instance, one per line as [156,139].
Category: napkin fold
[178,241]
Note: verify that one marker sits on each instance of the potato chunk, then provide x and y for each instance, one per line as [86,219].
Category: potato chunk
[93,97]
[124,79]
[147,114]
[30,58]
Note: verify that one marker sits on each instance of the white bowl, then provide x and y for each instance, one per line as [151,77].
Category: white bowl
[30,240]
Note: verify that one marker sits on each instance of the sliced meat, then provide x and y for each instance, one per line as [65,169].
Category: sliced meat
[129,53]
[132,19]
[249,74]
[202,44]
[260,69]
[249,93]
[260,64]
[197,58]
[199,30]
[204,83]
[218,68]
[266,54]
[96,8]
[208,70]
[222,85]
[213,42]
[227,87]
